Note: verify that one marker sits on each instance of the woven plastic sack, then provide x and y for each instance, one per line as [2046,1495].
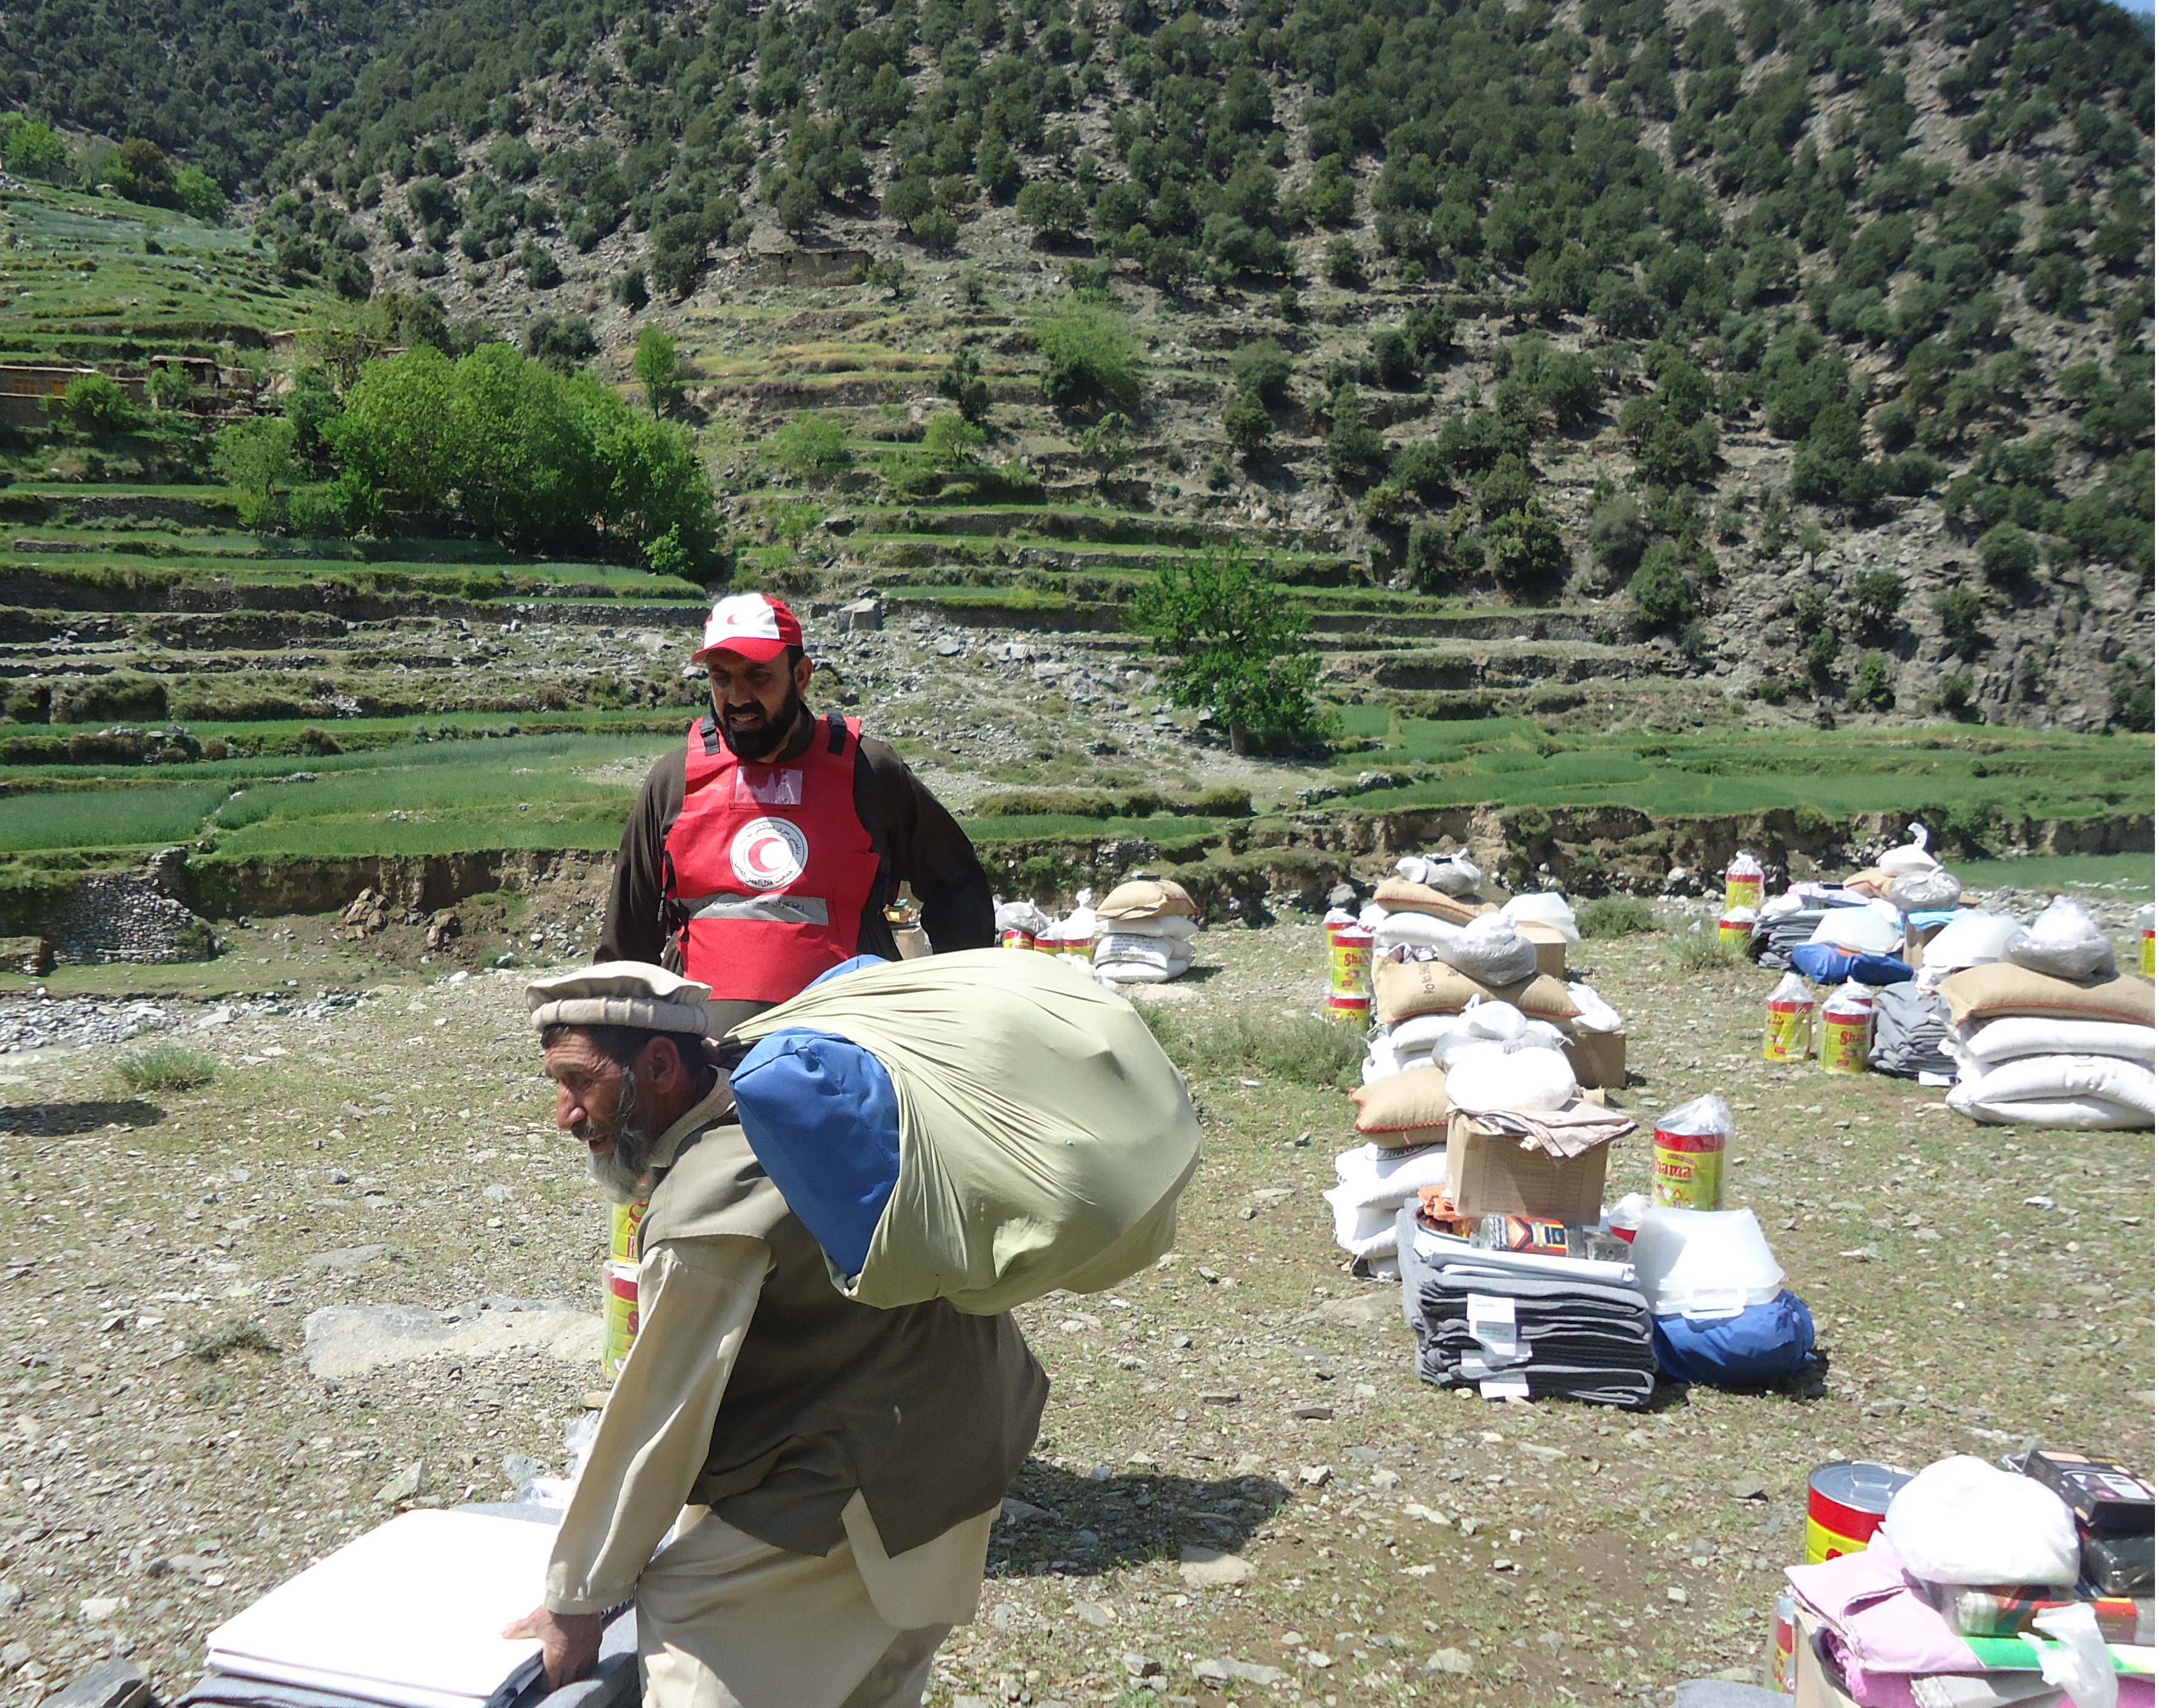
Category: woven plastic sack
[1544,907]
[1922,892]
[1451,874]
[1961,1521]
[1970,939]
[1491,952]
[1871,929]
[1043,1138]
[1487,1076]
[2063,943]
[1913,857]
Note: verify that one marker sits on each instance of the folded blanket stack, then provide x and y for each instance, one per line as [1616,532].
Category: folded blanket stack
[1144,932]
[1486,1320]
[1910,1035]
[2034,1049]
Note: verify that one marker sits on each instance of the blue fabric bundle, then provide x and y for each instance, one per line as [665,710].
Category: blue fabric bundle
[1761,1345]
[821,1116]
[1825,963]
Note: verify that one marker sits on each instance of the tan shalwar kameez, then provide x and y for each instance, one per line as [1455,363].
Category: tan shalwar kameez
[723,1619]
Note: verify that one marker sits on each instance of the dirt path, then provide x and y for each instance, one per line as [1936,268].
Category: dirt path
[399,1152]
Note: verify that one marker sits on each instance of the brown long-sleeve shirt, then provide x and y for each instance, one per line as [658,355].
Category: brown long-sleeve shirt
[917,842]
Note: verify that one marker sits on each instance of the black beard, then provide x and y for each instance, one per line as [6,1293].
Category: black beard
[622,1172]
[770,737]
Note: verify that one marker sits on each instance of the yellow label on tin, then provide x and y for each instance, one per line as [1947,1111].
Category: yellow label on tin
[1790,1033]
[1843,1040]
[623,1221]
[1824,1544]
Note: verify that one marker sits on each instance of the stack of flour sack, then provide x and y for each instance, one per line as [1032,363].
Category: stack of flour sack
[2050,1033]
[1144,932]
[1437,949]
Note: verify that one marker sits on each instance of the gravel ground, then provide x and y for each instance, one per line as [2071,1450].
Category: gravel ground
[1974,1289]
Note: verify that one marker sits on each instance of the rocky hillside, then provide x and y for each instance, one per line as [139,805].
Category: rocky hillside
[1800,350]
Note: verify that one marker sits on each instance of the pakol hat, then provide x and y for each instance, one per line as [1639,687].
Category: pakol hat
[752,625]
[620,994]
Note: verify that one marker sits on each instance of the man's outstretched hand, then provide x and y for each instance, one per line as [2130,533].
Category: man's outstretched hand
[569,1642]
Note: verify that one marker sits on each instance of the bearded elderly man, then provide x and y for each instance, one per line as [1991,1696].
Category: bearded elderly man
[834,1468]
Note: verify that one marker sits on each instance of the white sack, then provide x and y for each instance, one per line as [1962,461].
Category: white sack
[1371,916]
[1454,874]
[1544,907]
[1369,1175]
[2002,1041]
[1920,892]
[1022,915]
[1180,926]
[1491,952]
[1362,1230]
[1592,1013]
[1488,1076]
[2062,943]
[1874,929]
[2118,1094]
[1169,954]
[1419,930]
[1970,939]
[1421,1031]
[1911,858]
[1961,1521]
[1115,972]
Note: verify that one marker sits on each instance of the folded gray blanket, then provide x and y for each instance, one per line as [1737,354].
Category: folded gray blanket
[1581,1341]
[1910,1033]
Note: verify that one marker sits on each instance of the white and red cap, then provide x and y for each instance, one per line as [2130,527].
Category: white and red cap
[752,625]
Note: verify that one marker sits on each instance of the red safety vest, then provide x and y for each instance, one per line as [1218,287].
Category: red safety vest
[768,867]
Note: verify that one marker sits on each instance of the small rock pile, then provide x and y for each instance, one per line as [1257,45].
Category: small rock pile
[42,1022]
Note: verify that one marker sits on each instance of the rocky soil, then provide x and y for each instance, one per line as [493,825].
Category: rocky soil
[1242,1490]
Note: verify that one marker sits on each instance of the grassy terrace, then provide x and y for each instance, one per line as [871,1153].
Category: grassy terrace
[414,788]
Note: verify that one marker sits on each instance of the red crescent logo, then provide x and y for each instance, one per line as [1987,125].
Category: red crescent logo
[768,854]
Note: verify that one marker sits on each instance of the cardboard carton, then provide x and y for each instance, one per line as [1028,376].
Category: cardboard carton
[1816,1689]
[1488,1173]
[1551,947]
[1598,1059]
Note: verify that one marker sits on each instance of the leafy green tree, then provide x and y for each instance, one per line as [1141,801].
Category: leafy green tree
[658,370]
[1345,264]
[200,194]
[168,387]
[1664,601]
[98,404]
[1261,368]
[936,228]
[256,456]
[141,172]
[562,341]
[679,247]
[1872,687]
[1052,211]
[1961,613]
[34,150]
[1089,359]
[888,276]
[1249,429]
[2007,554]
[1108,447]
[962,383]
[1228,636]
[1877,597]
[1525,549]
[542,272]
[1352,449]
[629,290]
[811,447]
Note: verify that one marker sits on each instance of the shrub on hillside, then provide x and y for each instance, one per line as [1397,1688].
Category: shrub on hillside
[1089,359]
[811,447]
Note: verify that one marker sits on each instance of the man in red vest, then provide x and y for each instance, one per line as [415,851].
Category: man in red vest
[765,850]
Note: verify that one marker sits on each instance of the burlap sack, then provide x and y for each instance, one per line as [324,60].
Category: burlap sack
[1404,1110]
[1399,895]
[1403,989]
[1146,898]
[1991,992]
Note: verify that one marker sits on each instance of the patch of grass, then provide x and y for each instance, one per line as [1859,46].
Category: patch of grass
[1614,917]
[167,1067]
[112,818]
[1300,1049]
[1703,951]
[2122,875]
[234,1334]
[213,1389]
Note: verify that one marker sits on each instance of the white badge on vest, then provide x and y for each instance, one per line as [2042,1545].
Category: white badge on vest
[769,853]
[769,788]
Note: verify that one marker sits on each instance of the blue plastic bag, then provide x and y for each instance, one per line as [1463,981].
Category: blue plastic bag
[1825,963]
[1761,1345]
[821,1116]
